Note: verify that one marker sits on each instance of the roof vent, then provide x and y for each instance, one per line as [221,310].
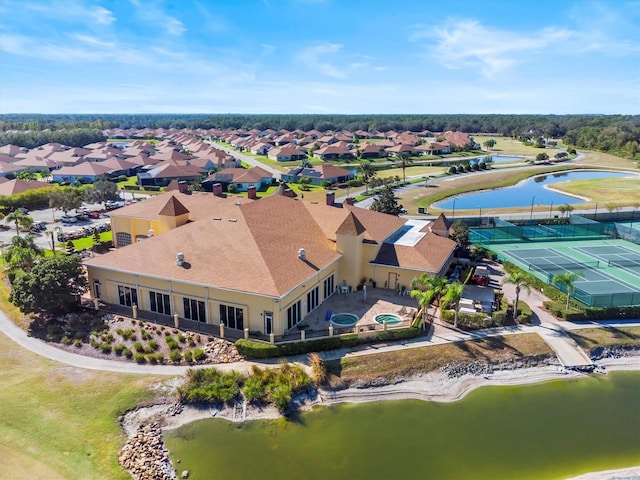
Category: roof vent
[179,259]
[233,220]
[302,254]
[238,204]
[217,218]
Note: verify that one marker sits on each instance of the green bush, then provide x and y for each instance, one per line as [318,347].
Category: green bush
[138,347]
[181,338]
[155,358]
[139,357]
[65,340]
[254,390]
[199,355]
[188,356]
[105,348]
[152,346]
[210,385]
[145,334]
[175,356]
[118,349]
[257,349]
[77,343]
[127,353]
[172,344]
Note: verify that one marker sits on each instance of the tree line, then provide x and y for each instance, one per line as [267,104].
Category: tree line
[72,137]
[619,134]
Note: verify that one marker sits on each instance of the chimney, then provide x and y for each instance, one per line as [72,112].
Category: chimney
[179,259]
[349,201]
[288,193]
[183,187]
[251,192]
[331,196]
[302,254]
[217,189]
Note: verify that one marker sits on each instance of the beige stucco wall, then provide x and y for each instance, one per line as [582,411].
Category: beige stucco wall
[253,306]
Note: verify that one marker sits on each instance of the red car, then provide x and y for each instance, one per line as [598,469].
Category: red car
[93,214]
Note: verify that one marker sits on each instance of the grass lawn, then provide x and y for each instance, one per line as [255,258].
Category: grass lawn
[606,191]
[130,181]
[591,338]
[507,145]
[600,159]
[61,422]
[57,421]
[409,362]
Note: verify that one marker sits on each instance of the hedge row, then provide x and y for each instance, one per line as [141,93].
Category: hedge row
[591,313]
[258,349]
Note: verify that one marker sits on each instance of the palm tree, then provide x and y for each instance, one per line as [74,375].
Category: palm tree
[427,289]
[567,280]
[20,219]
[403,160]
[521,282]
[368,172]
[22,253]
[452,295]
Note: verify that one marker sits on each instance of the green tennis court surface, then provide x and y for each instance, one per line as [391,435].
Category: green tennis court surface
[610,267]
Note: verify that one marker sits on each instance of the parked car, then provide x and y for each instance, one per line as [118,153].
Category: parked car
[82,217]
[68,219]
[93,214]
[113,204]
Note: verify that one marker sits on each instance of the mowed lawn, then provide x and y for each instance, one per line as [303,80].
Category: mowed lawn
[58,421]
[606,191]
[506,145]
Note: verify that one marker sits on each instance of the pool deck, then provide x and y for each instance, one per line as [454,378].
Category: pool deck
[377,301]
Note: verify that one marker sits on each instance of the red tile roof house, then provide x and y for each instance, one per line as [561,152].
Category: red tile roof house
[260,265]
[333,152]
[242,178]
[86,172]
[160,175]
[372,150]
[287,153]
[432,149]
[14,187]
[319,174]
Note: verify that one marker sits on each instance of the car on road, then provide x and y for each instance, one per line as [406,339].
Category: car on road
[68,219]
[93,214]
[113,204]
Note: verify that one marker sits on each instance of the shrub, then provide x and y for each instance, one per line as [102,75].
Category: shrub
[155,358]
[145,335]
[118,349]
[188,356]
[175,356]
[199,355]
[172,344]
[254,389]
[453,170]
[65,340]
[77,343]
[210,385]
[152,345]
[138,347]
[105,348]
[318,368]
[127,353]
[139,357]
[107,337]
[127,334]
[181,338]
[191,342]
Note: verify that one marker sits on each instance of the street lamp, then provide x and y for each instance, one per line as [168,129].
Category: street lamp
[480,207]
[531,216]
[453,213]
[551,210]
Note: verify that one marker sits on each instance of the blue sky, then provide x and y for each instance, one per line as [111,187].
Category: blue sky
[320,56]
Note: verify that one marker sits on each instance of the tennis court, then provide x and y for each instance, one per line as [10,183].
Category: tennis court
[610,267]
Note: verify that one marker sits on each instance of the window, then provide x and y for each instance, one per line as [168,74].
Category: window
[232,317]
[328,287]
[160,303]
[194,310]
[127,296]
[294,315]
[312,299]
[96,288]
[123,239]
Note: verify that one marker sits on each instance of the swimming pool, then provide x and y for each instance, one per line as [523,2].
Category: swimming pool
[390,318]
[343,319]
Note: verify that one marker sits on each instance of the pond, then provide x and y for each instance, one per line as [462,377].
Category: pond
[552,430]
[524,193]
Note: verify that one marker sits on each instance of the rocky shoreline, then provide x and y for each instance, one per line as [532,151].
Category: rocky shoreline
[144,426]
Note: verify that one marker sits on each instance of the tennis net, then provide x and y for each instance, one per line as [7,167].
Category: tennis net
[553,267]
[624,263]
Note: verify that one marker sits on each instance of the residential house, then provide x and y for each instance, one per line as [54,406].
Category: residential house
[85,172]
[287,153]
[161,174]
[241,178]
[319,174]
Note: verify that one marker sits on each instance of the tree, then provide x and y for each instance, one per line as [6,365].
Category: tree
[55,284]
[567,280]
[478,252]
[22,253]
[521,282]
[490,143]
[28,174]
[403,160]
[368,172]
[452,295]
[427,289]
[386,202]
[542,157]
[460,234]
[65,199]
[20,219]
[102,191]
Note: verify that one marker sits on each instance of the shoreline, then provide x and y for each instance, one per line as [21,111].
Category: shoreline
[434,386]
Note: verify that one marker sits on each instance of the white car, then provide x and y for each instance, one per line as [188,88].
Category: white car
[68,219]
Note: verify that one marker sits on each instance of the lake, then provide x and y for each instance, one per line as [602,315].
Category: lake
[521,195]
[551,430]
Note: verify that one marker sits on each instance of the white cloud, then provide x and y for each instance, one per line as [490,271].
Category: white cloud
[150,13]
[69,10]
[469,44]
[314,58]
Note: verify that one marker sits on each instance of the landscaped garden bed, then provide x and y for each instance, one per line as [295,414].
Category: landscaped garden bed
[117,337]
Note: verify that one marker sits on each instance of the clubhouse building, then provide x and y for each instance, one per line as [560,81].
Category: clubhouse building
[257,263]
